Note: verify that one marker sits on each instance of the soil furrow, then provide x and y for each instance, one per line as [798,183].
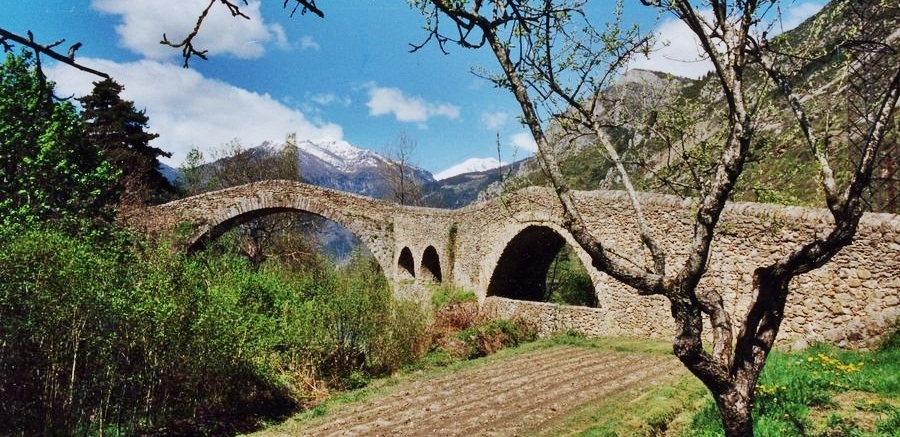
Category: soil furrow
[439,394]
[496,398]
[474,406]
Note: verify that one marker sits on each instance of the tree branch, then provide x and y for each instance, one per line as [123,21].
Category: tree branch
[48,50]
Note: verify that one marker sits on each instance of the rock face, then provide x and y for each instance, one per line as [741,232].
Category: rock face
[498,247]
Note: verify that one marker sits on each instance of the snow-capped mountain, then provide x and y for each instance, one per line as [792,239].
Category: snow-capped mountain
[342,155]
[469,166]
[343,166]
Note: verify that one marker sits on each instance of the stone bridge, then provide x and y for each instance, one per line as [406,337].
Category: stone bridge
[502,249]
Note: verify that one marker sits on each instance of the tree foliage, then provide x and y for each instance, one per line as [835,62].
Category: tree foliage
[48,168]
[122,337]
[118,129]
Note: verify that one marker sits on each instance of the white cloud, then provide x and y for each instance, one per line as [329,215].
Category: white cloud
[326,99]
[189,110]
[797,14]
[494,120]
[308,43]
[383,101]
[145,21]
[524,141]
[677,51]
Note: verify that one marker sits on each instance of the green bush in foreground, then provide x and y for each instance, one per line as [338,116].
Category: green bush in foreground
[96,336]
[823,391]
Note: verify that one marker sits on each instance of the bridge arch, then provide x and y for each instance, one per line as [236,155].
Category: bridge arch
[406,265]
[217,218]
[521,268]
[431,265]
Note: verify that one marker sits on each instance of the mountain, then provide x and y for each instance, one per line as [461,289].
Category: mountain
[471,165]
[342,166]
[465,188]
[666,128]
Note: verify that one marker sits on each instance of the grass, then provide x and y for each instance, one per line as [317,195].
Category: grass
[445,294]
[823,391]
[634,413]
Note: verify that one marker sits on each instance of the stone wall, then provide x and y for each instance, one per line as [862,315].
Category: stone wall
[851,301]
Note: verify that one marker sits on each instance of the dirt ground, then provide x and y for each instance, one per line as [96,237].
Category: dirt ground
[509,397]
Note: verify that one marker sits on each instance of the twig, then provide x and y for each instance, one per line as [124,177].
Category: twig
[48,50]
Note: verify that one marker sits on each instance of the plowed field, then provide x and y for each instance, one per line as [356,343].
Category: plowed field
[514,396]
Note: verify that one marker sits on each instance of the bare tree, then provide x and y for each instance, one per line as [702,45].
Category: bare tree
[234,165]
[555,61]
[405,189]
[47,49]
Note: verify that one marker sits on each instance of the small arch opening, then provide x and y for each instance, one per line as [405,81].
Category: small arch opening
[431,265]
[406,266]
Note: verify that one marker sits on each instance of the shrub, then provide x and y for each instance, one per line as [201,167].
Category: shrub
[491,336]
[97,337]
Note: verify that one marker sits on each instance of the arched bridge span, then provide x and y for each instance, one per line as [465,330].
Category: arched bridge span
[198,219]
[502,247]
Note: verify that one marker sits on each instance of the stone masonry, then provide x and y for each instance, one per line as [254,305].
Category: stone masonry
[501,248]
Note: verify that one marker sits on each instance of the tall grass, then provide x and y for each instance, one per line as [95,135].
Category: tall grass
[118,338]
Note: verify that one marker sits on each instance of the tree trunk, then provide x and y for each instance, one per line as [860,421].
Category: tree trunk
[735,411]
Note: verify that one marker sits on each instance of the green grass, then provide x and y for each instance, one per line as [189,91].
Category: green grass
[633,413]
[446,294]
[823,391]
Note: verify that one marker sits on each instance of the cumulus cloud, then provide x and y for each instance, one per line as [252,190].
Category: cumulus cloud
[524,141]
[678,50]
[384,101]
[494,120]
[144,22]
[189,110]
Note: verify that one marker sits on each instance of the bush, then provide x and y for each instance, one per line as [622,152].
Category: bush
[96,336]
[491,336]
[444,295]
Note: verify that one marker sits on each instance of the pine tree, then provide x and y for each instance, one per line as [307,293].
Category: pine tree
[117,128]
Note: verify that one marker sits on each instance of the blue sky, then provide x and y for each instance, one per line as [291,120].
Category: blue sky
[347,77]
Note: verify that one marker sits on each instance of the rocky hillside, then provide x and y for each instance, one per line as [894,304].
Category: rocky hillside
[780,169]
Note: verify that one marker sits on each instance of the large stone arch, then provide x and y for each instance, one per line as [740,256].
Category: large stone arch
[209,223]
[518,267]
[521,271]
